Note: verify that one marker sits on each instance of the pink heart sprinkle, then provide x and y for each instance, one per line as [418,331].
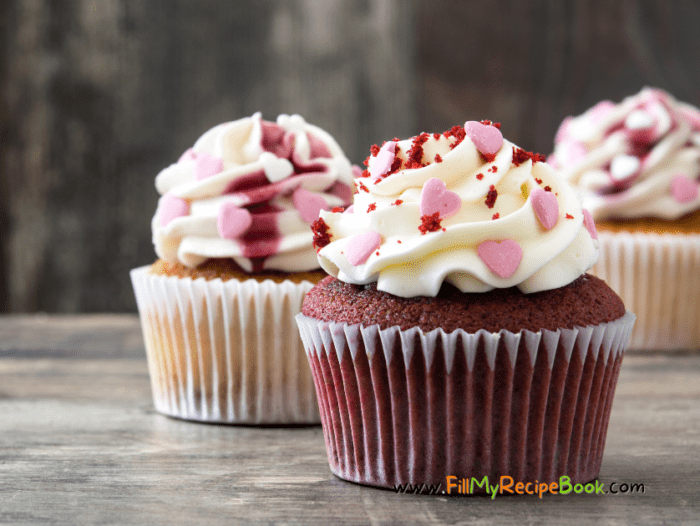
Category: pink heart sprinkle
[435,197]
[361,246]
[206,165]
[589,224]
[189,155]
[382,163]
[501,258]
[309,205]
[546,207]
[487,139]
[683,189]
[172,207]
[233,221]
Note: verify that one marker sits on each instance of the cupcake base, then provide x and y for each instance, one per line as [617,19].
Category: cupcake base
[225,351]
[405,406]
[658,278]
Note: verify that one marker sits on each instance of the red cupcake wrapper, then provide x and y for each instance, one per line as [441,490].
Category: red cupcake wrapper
[403,407]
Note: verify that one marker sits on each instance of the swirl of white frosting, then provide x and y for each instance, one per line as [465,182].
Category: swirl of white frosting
[491,211]
[638,158]
[248,190]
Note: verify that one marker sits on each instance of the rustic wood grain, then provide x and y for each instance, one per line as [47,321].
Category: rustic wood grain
[530,64]
[81,444]
[98,97]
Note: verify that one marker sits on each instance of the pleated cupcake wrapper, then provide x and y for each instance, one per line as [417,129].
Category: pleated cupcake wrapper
[406,406]
[658,278]
[225,351]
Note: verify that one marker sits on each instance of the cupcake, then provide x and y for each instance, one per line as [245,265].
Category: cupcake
[458,335]
[637,167]
[235,251]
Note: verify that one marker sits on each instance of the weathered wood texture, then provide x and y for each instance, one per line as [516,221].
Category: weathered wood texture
[81,444]
[97,97]
[530,64]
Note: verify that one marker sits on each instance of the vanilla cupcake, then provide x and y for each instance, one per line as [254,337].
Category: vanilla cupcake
[235,251]
[637,167]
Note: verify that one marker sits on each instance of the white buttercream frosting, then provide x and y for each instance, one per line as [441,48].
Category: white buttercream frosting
[386,218]
[248,190]
[639,158]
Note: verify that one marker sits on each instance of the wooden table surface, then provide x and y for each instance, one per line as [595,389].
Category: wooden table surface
[80,443]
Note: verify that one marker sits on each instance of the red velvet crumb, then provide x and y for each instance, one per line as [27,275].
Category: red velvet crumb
[365,173]
[491,197]
[377,252]
[495,216]
[396,165]
[569,216]
[436,136]
[479,176]
[362,187]
[372,207]
[547,188]
[438,159]
[539,181]
[430,223]
[321,235]
[374,150]
[415,154]
[520,156]
[338,209]
[397,202]
[398,241]
[493,169]
[458,133]
[488,157]
[366,161]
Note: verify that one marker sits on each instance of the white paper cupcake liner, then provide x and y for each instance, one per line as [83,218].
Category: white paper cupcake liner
[658,278]
[403,407]
[225,351]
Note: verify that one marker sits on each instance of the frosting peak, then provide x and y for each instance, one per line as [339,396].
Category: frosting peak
[638,158]
[248,190]
[466,207]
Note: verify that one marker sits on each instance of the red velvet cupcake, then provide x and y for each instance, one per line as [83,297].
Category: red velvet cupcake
[459,335]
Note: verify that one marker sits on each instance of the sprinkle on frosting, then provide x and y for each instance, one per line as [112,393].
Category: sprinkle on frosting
[173,207]
[430,223]
[321,236]
[501,258]
[546,207]
[361,246]
[520,156]
[436,198]
[491,197]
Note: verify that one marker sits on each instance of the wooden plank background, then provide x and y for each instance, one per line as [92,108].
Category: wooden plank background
[97,96]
